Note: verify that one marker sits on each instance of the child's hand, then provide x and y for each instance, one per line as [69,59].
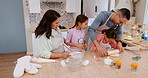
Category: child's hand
[119,46]
[80,46]
[85,46]
[65,55]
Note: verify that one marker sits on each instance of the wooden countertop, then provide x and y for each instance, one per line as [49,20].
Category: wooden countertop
[135,42]
[96,69]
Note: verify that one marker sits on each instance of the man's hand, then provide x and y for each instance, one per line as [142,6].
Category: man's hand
[102,51]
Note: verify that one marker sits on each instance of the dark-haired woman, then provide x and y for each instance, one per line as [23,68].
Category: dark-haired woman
[49,39]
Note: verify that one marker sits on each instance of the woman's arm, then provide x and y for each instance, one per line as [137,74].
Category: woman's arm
[59,55]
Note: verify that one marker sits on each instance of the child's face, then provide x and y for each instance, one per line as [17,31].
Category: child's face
[84,24]
[55,24]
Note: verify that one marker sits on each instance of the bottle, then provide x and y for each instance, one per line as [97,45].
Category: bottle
[113,62]
[134,66]
[118,64]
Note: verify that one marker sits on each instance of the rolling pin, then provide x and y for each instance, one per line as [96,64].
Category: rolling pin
[113,52]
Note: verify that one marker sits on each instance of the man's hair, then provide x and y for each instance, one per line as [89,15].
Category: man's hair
[125,13]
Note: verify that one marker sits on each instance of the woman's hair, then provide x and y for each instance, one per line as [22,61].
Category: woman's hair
[45,24]
[80,18]
[110,33]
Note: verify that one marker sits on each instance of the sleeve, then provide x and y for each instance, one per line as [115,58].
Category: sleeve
[119,32]
[99,37]
[113,44]
[69,36]
[44,48]
[97,22]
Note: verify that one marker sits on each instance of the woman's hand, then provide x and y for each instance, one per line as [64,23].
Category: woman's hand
[65,55]
[119,46]
[102,51]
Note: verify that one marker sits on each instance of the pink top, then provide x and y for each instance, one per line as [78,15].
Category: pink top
[75,36]
[113,44]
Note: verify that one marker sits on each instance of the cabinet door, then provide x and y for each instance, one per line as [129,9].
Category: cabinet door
[34,46]
[70,6]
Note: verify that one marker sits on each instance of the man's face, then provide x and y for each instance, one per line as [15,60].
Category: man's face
[119,19]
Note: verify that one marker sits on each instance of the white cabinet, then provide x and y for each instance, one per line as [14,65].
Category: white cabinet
[70,6]
[34,6]
[34,46]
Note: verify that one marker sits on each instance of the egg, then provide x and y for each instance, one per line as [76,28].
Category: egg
[86,62]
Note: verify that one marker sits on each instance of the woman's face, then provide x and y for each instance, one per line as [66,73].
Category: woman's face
[84,24]
[55,24]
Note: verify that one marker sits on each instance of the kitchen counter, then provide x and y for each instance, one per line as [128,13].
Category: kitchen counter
[32,29]
[96,69]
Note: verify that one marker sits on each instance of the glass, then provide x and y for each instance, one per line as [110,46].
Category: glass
[74,61]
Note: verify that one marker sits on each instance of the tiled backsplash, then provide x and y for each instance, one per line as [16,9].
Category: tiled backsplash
[66,18]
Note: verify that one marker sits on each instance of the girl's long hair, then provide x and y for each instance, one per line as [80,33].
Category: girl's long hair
[80,18]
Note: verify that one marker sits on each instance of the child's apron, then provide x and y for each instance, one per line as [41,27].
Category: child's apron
[77,38]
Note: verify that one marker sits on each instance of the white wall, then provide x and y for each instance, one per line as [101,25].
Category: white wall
[27,26]
[140,11]
[78,8]
[140,8]
[125,4]
[89,7]
[111,5]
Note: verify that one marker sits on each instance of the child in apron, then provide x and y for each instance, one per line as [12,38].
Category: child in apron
[106,39]
[75,36]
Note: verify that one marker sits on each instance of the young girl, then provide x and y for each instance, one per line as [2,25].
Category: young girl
[106,40]
[75,36]
[48,37]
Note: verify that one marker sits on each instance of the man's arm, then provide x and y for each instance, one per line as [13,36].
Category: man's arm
[97,22]
[119,32]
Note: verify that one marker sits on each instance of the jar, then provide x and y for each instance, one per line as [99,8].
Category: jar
[118,64]
[134,66]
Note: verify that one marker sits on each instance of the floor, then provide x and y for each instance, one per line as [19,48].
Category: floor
[7,63]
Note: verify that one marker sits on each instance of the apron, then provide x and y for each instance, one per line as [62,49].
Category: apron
[99,31]
[105,45]
[57,42]
[77,38]
[102,27]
